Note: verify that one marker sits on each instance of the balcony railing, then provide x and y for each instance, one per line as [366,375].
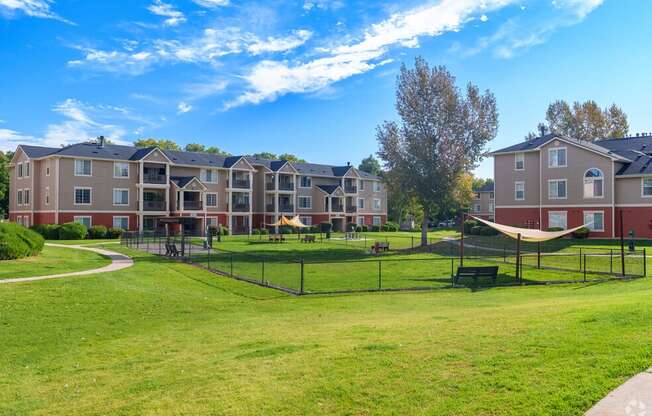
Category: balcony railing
[269,186]
[351,209]
[286,208]
[155,178]
[154,206]
[269,208]
[350,189]
[286,186]
[240,207]
[337,208]
[241,184]
[192,205]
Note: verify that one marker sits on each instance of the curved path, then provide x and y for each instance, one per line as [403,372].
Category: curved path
[118,262]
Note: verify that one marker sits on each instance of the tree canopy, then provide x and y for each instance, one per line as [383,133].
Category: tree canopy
[161,143]
[265,155]
[370,165]
[5,158]
[441,136]
[291,158]
[583,121]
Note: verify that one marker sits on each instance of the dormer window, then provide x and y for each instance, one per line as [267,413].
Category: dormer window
[519,161]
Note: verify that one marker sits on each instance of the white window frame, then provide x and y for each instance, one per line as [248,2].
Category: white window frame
[378,222]
[306,220]
[360,200]
[516,198]
[212,221]
[206,198]
[19,197]
[550,181]
[19,170]
[47,195]
[360,185]
[214,175]
[553,149]
[121,217]
[519,157]
[565,214]
[82,160]
[584,179]
[115,165]
[376,186]
[585,213]
[121,190]
[377,204]
[307,198]
[74,195]
[301,182]
[359,220]
[27,196]
[643,187]
[27,169]
[491,207]
[76,218]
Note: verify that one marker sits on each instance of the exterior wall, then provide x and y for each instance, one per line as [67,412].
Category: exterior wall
[505,176]
[519,217]
[638,219]
[100,218]
[485,201]
[16,183]
[369,195]
[258,193]
[575,218]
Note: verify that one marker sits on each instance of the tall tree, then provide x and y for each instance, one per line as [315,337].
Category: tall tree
[583,121]
[161,143]
[265,155]
[370,165]
[291,158]
[442,134]
[5,158]
[217,151]
[194,147]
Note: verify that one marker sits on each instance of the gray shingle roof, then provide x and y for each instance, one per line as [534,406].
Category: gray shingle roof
[329,189]
[182,181]
[120,152]
[487,187]
[637,149]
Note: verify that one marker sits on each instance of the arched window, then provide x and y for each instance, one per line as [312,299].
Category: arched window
[593,183]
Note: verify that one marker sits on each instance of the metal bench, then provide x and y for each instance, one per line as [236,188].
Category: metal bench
[171,250]
[476,272]
[308,239]
[276,238]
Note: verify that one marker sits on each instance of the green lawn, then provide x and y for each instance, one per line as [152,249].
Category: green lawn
[52,260]
[168,338]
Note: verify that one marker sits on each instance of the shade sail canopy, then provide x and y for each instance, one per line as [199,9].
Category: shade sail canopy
[296,222]
[282,222]
[526,233]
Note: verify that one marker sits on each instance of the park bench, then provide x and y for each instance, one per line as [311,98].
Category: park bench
[476,272]
[308,239]
[171,250]
[383,246]
[276,237]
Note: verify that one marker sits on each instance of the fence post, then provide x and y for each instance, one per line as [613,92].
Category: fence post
[452,267]
[580,258]
[231,264]
[644,263]
[611,261]
[302,277]
[585,267]
[262,275]
[208,260]
[412,245]
[380,274]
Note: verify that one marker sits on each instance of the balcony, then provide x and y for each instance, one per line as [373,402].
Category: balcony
[351,209]
[286,186]
[192,205]
[269,208]
[241,183]
[269,186]
[154,206]
[337,208]
[240,207]
[286,208]
[155,174]
[350,189]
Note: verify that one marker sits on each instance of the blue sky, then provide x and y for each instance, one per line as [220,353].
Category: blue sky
[310,77]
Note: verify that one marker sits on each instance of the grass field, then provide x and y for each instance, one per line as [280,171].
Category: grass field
[168,338]
[52,260]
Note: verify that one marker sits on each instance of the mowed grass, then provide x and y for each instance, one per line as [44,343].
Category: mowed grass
[52,260]
[164,338]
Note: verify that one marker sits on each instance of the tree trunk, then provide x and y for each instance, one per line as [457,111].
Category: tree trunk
[424,228]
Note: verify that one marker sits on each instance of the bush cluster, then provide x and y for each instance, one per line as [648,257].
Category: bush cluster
[390,226]
[17,241]
[75,231]
[581,233]
[473,227]
[553,229]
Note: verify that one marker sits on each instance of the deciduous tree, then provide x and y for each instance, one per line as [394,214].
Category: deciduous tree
[370,165]
[161,143]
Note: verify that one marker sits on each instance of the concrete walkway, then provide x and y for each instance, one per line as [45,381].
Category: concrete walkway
[634,397]
[118,262]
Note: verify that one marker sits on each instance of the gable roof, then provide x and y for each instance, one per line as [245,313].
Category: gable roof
[537,143]
[329,189]
[183,181]
[36,151]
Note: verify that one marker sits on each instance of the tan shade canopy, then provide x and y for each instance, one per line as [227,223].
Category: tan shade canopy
[296,222]
[526,233]
[285,222]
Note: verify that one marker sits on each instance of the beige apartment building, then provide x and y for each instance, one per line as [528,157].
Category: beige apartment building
[555,181]
[134,188]
[483,202]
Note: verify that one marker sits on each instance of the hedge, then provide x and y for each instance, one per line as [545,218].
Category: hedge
[114,232]
[390,226]
[17,241]
[325,227]
[581,232]
[97,231]
[47,231]
[72,231]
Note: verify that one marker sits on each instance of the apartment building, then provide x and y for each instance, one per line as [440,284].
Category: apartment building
[555,181]
[483,202]
[134,188]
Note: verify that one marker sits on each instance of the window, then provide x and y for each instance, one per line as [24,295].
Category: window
[209,175]
[306,220]
[491,195]
[557,157]
[359,220]
[360,185]
[376,186]
[19,197]
[491,207]
[120,196]
[646,187]
[376,221]
[557,219]
[211,221]
[557,189]
[376,203]
[120,170]
[476,208]
[360,203]
[26,169]
[594,220]
[211,200]
[20,170]
[305,182]
[82,196]
[82,167]
[47,167]
[593,183]
[519,191]
[86,221]
[519,161]
[26,196]
[121,222]
[305,202]
[47,195]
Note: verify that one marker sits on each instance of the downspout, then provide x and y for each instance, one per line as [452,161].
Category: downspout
[613,198]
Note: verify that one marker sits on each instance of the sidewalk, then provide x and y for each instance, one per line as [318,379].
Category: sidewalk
[633,397]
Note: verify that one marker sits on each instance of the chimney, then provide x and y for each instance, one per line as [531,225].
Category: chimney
[542,130]
[100,142]
[348,163]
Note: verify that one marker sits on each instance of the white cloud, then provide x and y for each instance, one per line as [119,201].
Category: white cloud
[33,8]
[10,139]
[174,16]
[484,18]
[272,44]
[183,107]
[211,4]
